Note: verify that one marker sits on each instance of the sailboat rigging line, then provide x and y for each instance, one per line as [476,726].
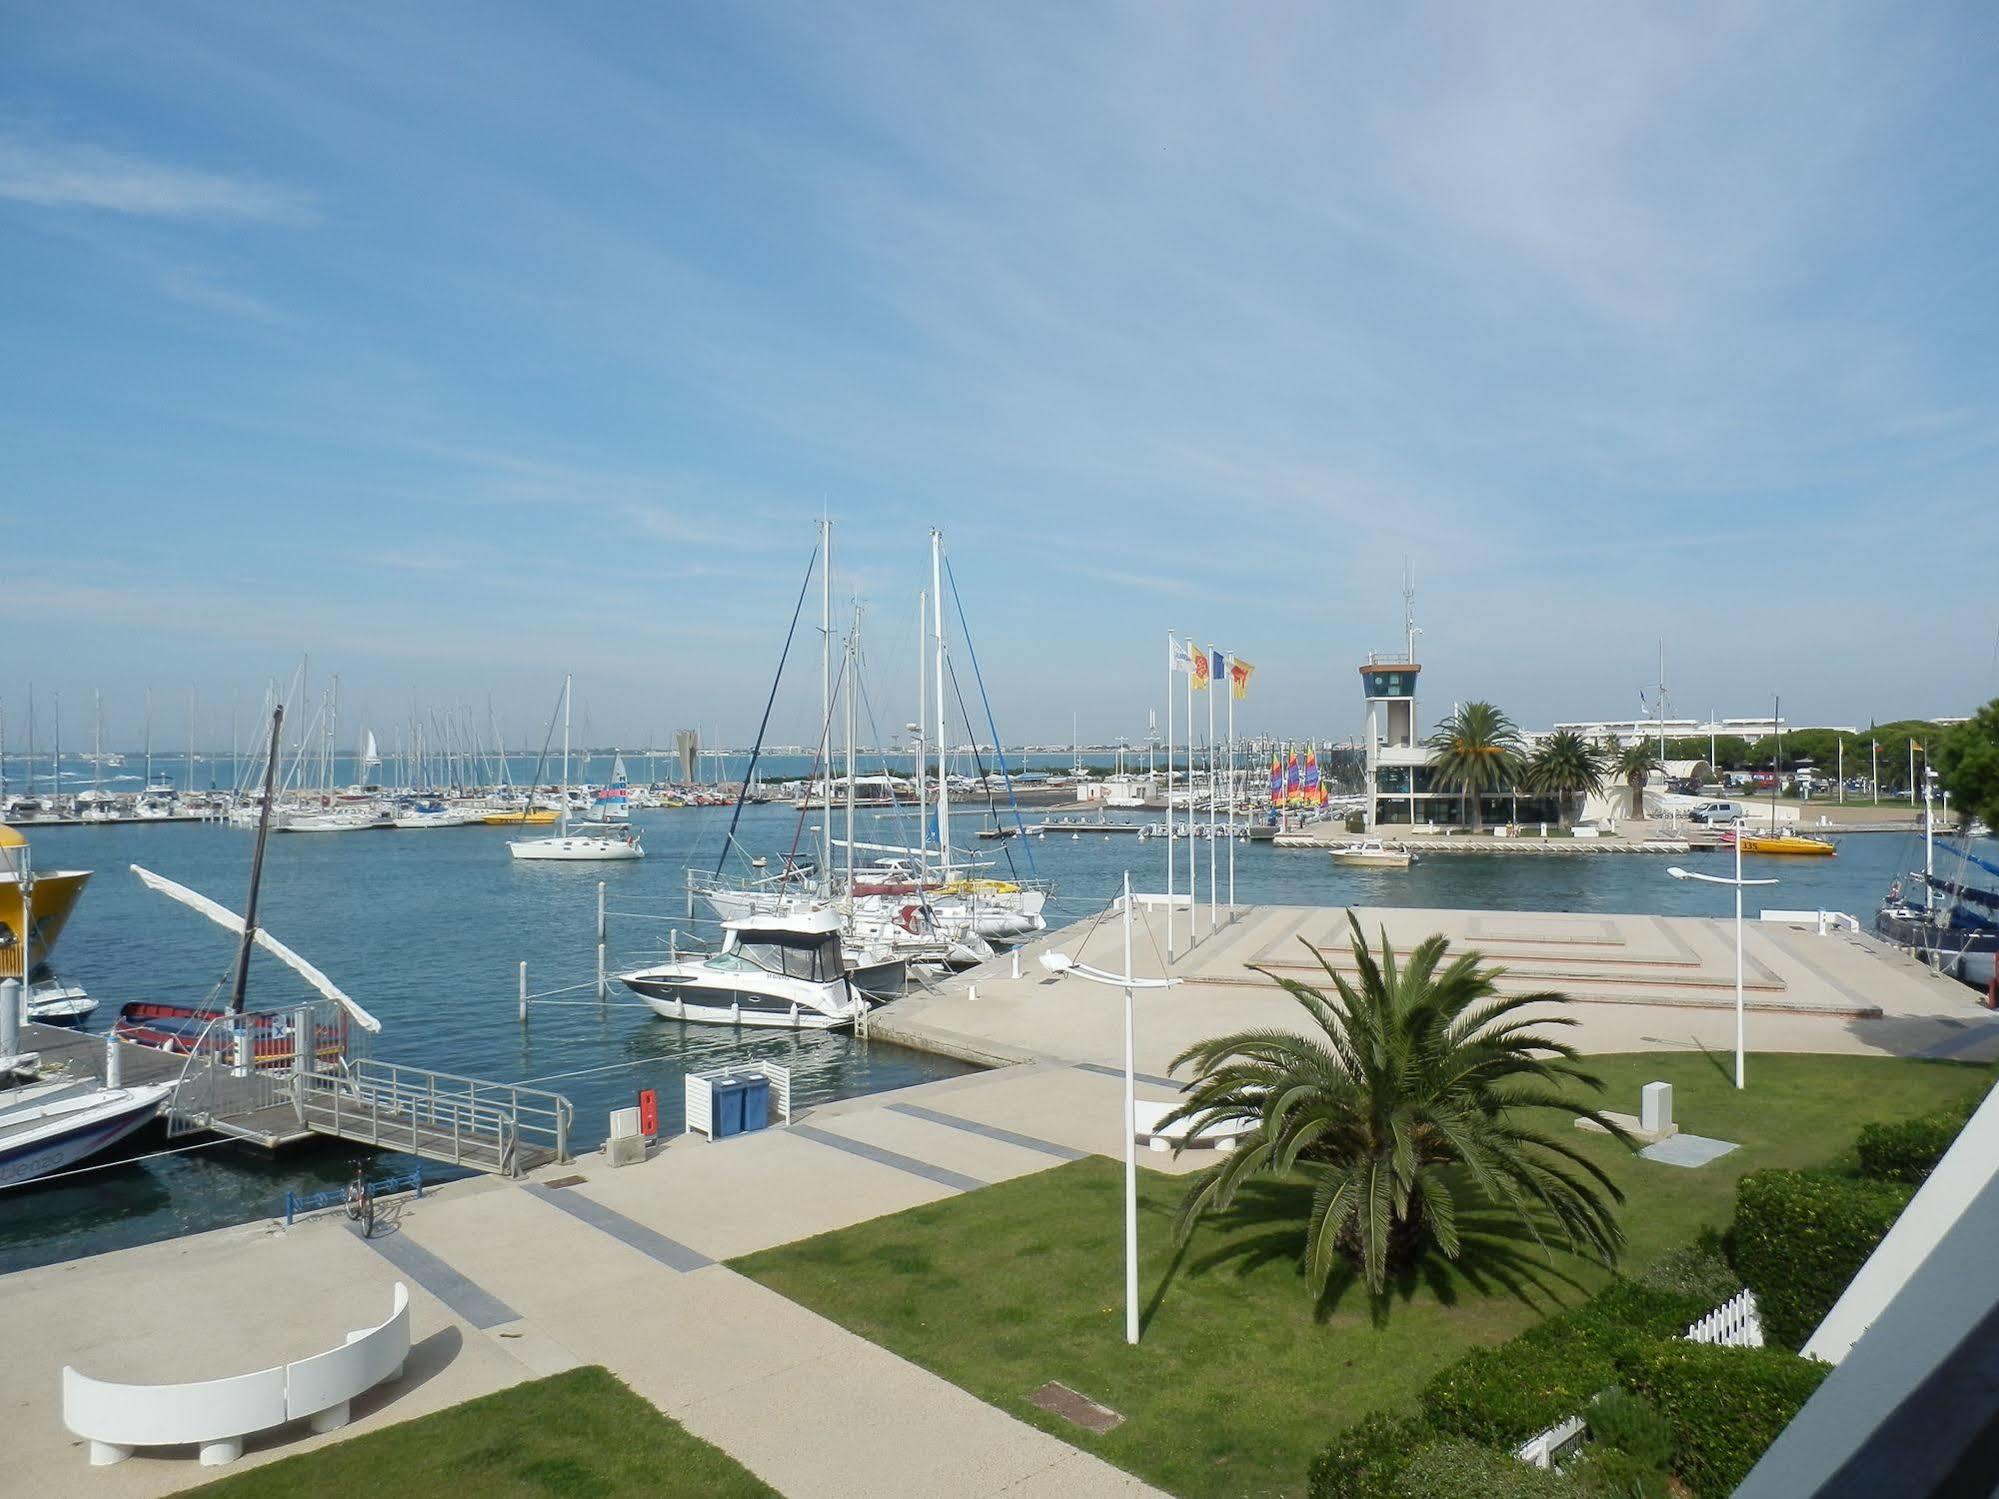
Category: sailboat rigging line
[756,750]
[978,677]
[534,785]
[822,755]
[979,764]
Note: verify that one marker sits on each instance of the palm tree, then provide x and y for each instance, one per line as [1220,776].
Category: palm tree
[1635,763]
[1409,1087]
[1565,765]
[1477,750]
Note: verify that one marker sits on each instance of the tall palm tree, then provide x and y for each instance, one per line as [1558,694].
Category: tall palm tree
[1477,749]
[1408,1087]
[1635,763]
[1565,766]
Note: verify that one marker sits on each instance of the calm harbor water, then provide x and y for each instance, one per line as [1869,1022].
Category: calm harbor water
[426,930]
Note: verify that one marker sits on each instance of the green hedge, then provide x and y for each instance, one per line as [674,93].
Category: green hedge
[1908,1149]
[1505,1395]
[1726,1405]
[1366,1459]
[1799,1238]
[1465,1470]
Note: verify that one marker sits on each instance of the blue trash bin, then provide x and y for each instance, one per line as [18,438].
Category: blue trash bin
[755,1097]
[728,1095]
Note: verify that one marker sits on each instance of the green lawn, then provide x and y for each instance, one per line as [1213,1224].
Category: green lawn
[1238,1379]
[580,1435]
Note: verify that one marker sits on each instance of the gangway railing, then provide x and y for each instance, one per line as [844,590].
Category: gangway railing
[441,1116]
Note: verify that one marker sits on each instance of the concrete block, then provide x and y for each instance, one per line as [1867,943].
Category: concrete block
[1655,1110]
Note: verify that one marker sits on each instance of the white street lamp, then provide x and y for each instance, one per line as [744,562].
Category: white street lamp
[1062,966]
[1739,883]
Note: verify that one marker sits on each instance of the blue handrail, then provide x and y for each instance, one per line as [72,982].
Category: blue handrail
[312,1202]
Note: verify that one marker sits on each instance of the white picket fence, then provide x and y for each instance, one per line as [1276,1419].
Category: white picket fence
[1733,1324]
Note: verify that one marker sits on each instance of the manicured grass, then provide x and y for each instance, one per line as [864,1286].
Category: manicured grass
[1238,1379]
[580,1435]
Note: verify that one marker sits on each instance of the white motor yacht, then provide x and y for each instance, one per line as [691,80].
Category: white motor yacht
[781,970]
[46,1132]
[1372,853]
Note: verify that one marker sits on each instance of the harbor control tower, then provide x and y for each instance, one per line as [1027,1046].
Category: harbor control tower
[1396,757]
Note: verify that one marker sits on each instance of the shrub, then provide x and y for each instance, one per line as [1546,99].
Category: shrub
[1799,1238]
[1908,1149]
[1697,1272]
[1465,1470]
[1632,1425]
[1505,1395]
[1364,1461]
[1606,1473]
[1725,1405]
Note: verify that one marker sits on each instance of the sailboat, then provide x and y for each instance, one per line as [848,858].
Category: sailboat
[1791,844]
[588,842]
[1955,927]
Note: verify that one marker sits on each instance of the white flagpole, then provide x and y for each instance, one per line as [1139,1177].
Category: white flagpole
[1172,829]
[1232,806]
[1214,891]
[1193,854]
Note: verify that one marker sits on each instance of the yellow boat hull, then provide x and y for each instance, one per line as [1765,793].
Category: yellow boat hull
[534,819]
[54,897]
[1816,848]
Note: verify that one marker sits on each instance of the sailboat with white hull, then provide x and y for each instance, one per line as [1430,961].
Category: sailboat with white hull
[589,842]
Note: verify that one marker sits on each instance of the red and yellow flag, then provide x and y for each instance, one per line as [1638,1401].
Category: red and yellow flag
[1239,671]
[1199,659]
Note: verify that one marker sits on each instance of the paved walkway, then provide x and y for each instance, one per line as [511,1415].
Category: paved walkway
[623,1268]
[514,1280]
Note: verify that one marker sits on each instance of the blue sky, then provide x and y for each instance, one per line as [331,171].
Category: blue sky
[462,345]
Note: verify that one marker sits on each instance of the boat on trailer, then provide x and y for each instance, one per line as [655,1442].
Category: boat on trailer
[784,971]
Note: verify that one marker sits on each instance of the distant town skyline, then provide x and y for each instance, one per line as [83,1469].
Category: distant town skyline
[465,346]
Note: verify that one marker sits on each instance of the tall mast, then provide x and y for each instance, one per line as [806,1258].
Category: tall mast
[825,700]
[853,652]
[97,744]
[922,736]
[943,744]
[1777,766]
[190,741]
[565,752]
[257,870]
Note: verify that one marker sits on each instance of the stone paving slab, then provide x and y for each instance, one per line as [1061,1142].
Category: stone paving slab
[977,1156]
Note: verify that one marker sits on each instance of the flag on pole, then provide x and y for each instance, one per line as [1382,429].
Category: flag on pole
[1216,667]
[1239,672]
[1197,662]
[1917,746]
[1176,657]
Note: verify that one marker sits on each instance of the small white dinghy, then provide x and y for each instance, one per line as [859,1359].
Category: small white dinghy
[1372,853]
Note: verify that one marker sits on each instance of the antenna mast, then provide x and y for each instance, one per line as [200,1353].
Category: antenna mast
[1409,630]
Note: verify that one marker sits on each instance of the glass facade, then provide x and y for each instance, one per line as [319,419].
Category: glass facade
[1379,683]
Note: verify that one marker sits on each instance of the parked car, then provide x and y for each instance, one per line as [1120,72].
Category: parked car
[1718,812]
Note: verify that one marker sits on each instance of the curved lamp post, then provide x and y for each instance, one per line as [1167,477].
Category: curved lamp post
[1739,884]
[1063,966]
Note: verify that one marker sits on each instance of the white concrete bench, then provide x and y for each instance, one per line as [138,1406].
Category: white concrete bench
[217,1414]
[1146,1117]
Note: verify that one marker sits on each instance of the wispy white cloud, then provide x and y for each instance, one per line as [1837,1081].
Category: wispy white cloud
[60,174]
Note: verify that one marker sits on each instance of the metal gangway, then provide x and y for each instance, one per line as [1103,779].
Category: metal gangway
[440,1116]
[273,1077]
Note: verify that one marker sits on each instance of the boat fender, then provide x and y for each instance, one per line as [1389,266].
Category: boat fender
[1895,892]
[906,918]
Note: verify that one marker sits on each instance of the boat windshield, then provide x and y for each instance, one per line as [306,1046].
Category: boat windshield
[816,958]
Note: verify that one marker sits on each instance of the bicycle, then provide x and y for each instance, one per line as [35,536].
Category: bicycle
[361,1200]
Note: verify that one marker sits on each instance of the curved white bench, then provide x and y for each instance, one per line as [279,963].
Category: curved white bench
[216,1414]
[1146,1116]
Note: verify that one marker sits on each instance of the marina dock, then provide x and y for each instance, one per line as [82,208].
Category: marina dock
[485,1126]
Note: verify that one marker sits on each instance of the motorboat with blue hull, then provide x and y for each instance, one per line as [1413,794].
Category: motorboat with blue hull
[1955,926]
[48,1128]
[784,971]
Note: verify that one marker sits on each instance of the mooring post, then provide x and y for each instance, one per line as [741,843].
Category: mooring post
[600,973]
[524,991]
[673,943]
[10,1017]
[600,913]
[114,1061]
